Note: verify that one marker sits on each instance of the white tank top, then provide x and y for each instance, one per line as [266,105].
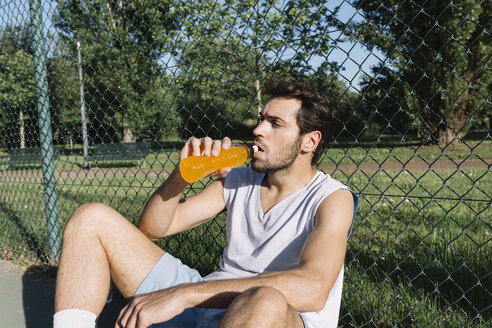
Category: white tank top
[259,243]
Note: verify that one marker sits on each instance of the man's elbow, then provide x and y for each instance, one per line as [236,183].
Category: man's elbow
[317,297]
[141,226]
[147,232]
[318,302]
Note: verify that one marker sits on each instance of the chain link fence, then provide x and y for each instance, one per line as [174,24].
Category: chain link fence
[97,98]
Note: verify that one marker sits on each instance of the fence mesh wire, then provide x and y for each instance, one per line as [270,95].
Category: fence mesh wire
[126,82]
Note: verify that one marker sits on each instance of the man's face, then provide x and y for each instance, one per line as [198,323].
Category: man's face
[277,135]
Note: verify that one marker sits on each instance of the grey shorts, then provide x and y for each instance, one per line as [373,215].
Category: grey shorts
[170,271]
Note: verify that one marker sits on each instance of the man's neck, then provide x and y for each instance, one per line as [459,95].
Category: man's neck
[289,180]
[279,185]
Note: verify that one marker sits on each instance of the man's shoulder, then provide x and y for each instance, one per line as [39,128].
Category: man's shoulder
[325,180]
[324,185]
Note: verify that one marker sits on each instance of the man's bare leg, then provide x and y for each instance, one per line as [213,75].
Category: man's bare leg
[261,307]
[99,244]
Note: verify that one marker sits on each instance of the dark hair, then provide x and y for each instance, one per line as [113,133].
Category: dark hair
[316,112]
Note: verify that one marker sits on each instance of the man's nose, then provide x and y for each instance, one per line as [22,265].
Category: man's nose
[259,129]
[255,131]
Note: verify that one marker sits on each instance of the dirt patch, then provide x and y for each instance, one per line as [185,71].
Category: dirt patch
[413,166]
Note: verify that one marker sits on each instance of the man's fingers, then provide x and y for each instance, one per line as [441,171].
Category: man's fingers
[141,319]
[195,146]
[216,147]
[127,319]
[207,145]
[121,321]
[133,317]
[226,143]
[204,146]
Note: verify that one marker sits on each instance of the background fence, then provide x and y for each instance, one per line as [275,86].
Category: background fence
[96,98]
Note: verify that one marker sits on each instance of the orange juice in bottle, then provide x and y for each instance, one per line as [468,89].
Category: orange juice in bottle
[194,168]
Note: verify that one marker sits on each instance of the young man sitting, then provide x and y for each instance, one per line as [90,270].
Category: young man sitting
[287,230]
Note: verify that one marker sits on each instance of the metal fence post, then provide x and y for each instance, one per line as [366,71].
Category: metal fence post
[85,140]
[44,122]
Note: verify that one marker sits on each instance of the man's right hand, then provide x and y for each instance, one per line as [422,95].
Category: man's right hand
[147,309]
[206,147]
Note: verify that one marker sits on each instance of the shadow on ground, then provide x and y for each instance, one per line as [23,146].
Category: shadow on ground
[38,295]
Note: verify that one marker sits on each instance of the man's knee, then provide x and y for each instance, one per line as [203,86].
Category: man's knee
[260,307]
[90,217]
[267,299]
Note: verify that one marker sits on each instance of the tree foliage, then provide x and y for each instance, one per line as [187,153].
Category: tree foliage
[436,70]
[121,43]
[17,87]
[229,48]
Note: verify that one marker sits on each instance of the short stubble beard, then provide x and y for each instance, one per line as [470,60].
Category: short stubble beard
[280,161]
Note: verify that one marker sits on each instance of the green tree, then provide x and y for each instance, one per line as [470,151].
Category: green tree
[436,69]
[18,115]
[228,49]
[122,42]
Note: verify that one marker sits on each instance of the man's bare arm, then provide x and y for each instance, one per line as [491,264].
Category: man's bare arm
[166,213]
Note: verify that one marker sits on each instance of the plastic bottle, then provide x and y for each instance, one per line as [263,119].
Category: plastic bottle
[194,168]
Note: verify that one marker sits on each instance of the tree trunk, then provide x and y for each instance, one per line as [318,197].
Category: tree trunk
[445,136]
[22,134]
[453,130]
[486,121]
[127,131]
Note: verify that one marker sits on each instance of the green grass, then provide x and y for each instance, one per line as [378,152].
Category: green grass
[419,254]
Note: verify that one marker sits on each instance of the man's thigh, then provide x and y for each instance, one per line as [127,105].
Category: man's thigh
[130,253]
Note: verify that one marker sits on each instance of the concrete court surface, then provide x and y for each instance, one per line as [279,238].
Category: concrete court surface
[27,298]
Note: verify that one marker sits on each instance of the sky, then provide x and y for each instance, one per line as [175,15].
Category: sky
[354,58]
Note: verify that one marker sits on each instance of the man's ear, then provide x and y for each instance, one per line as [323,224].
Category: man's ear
[311,141]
